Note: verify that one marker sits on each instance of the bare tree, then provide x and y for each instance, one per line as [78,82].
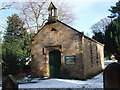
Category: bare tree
[99,30]
[65,13]
[101,25]
[35,13]
[4,6]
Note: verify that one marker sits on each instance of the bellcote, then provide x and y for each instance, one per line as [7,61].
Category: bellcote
[52,13]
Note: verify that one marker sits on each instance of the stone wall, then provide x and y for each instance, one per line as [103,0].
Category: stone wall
[50,38]
[93,56]
[59,36]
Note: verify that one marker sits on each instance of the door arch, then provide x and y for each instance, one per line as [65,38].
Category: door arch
[54,63]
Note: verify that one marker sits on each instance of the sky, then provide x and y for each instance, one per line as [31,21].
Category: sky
[90,12]
[87,13]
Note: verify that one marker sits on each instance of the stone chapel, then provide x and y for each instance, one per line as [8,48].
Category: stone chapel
[60,51]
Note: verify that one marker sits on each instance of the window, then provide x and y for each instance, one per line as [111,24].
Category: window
[96,53]
[91,53]
[97,57]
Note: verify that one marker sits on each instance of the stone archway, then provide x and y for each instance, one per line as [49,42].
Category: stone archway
[47,51]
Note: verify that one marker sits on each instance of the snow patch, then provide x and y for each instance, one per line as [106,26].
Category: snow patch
[95,82]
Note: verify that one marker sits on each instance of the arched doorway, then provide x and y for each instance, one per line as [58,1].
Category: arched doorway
[54,63]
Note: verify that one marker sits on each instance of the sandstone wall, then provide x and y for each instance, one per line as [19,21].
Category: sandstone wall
[58,36]
[67,41]
[93,56]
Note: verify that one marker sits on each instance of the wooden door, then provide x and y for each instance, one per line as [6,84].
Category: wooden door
[54,63]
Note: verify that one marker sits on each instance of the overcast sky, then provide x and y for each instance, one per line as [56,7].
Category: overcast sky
[88,12]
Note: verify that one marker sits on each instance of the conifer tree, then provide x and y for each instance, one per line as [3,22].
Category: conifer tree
[112,33]
[115,9]
[16,46]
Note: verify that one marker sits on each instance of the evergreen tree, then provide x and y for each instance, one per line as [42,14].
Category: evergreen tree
[16,46]
[115,9]
[112,33]
[99,36]
[99,28]
[112,36]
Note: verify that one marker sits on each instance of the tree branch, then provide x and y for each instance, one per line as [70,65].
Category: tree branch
[6,7]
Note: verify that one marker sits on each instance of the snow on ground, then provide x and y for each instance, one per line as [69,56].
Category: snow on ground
[106,63]
[95,82]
